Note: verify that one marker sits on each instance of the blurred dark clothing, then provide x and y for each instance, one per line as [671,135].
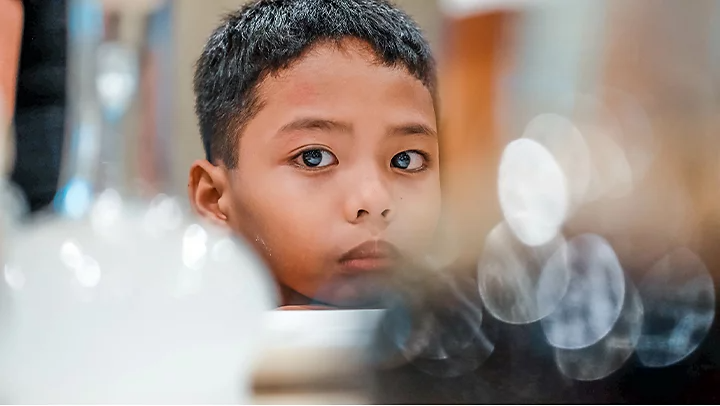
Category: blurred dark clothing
[40,105]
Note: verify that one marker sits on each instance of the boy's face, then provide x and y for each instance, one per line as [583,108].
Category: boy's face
[337,179]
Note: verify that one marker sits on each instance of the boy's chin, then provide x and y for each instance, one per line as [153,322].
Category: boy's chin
[353,292]
[365,290]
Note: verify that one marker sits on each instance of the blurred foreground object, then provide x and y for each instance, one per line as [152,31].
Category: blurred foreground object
[315,357]
[580,164]
[118,297]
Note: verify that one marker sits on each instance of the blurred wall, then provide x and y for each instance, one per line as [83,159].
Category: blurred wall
[194,21]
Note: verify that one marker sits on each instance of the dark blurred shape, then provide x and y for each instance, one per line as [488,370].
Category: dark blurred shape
[593,301]
[434,324]
[610,353]
[40,106]
[523,368]
[679,299]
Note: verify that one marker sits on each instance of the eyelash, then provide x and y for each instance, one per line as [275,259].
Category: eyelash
[295,160]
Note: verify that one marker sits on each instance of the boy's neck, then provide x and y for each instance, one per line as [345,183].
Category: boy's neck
[290,297]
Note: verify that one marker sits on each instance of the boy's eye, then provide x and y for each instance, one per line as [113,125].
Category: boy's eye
[316,158]
[408,161]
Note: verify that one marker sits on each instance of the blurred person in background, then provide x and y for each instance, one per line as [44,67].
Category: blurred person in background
[39,98]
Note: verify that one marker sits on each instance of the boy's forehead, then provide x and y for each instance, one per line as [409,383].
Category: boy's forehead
[328,66]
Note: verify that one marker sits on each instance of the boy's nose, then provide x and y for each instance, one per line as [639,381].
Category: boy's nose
[371,201]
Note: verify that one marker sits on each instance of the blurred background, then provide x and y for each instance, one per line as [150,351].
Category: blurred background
[580,144]
[643,70]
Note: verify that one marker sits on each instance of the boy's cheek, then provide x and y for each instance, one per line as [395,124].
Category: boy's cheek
[422,208]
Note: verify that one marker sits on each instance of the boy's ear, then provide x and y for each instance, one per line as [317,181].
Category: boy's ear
[209,192]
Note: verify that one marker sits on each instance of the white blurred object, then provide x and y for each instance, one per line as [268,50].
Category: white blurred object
[679,298]
[117,77]
[532,191]
[515,285]
[637,134]
[117,300]
[611,172]
[107,312]
[594,298]
[612,175]
[565,142]
[306,347]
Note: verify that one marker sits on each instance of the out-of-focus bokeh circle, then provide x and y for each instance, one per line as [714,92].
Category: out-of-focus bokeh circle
[594,298]
[439,332]
[532,191]
[567,145]
[679,299]
[611,175]
[610,353]
[515,285]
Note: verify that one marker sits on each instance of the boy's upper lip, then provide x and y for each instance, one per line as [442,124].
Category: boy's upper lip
[372,249]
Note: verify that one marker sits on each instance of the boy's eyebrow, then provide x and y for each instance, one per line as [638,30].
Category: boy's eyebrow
[310,123]
[414,129]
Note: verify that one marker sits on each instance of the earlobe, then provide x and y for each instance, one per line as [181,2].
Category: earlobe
[207,184]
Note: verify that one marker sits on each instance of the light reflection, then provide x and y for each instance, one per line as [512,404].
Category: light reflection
[594,298]
[71,254]
[611,173]
[106,211]
[117,77]
[514,282]
[612,176]
[609,354]
[169,213]
[222,250]
[532,191]
[75,198]
[567,145]
[679,299]
[88,273]
[14,277]
[194,247]
[638,136]
[163,214]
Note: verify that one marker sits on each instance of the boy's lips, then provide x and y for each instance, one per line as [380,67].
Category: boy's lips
[373,255]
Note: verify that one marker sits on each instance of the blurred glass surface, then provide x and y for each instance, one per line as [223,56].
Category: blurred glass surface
[121,295]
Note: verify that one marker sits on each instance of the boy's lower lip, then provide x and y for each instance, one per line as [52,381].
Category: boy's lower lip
[371,264]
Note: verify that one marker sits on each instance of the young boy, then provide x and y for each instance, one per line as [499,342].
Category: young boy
[319,127]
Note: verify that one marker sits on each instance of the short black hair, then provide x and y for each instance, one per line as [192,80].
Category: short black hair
[267,36]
